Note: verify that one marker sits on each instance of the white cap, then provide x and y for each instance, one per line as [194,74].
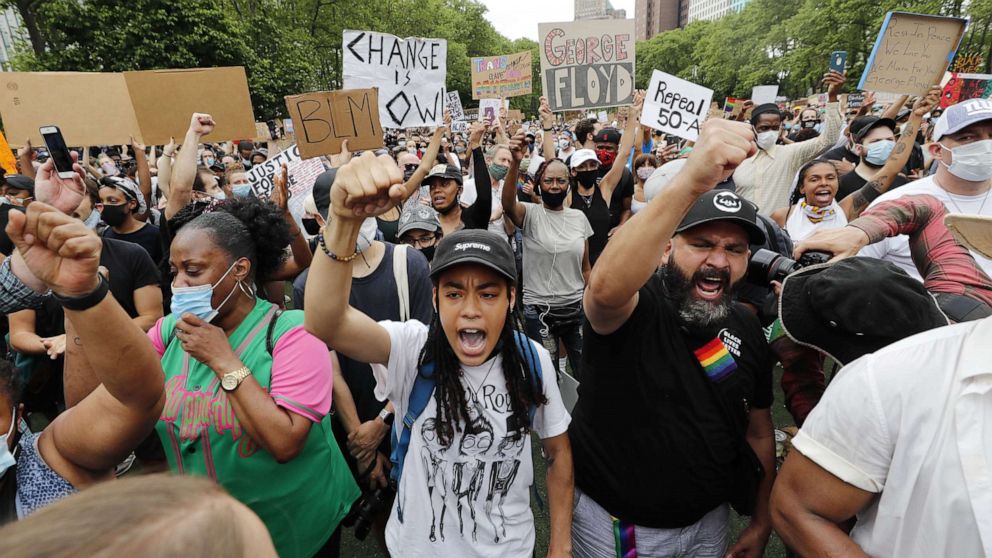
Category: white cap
[660,178]
[583,155]
[957,117]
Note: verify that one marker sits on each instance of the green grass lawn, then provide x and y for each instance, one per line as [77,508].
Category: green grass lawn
[353,548]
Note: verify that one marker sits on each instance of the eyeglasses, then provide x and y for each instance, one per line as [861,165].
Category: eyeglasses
[422,242]
[549,180]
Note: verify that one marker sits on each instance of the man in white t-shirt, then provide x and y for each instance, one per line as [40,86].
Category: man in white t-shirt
[466,476]
[962,150]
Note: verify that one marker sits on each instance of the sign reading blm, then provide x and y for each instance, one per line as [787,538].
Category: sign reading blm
[675,106]
[409,73]
[587,64]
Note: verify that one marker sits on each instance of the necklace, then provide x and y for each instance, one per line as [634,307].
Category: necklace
[474,390]
[587,199]
[980,208]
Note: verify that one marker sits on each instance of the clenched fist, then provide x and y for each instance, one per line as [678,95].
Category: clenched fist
[722,146]
[367,186]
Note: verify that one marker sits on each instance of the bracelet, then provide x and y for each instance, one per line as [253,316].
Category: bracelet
[87,301]
[551,129]
[329,254]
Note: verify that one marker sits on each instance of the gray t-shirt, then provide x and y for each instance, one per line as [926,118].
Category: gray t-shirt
[554,243]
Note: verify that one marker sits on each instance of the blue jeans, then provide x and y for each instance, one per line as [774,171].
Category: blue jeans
[551,325]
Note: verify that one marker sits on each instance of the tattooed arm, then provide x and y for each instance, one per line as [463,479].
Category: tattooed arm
[857,202]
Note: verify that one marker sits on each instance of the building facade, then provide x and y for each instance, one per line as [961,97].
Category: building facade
[710,10]
[11,33]
[657,16]
[597,9]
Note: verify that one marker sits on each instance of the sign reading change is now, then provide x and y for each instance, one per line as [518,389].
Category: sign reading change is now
[587,64]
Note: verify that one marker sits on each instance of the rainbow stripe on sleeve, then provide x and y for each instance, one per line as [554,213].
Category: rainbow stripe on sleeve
[716,360]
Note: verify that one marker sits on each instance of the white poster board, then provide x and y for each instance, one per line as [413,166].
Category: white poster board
[453,104]
[409,73]
[302,174]
[762,94]
[675,106]
[489,110]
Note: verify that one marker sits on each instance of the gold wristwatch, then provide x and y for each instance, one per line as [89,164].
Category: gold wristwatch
[232,380]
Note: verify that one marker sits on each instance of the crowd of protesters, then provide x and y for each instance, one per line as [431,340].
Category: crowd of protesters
[381,361]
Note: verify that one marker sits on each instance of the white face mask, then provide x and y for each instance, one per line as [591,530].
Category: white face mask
[366,234]
[972,161]
[6,457]
[767,139]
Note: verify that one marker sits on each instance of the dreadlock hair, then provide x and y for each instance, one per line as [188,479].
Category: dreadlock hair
[543,168]
[449,393]
[797,191]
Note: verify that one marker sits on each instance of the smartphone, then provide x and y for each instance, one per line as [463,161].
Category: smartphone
[58,150]
[838,60]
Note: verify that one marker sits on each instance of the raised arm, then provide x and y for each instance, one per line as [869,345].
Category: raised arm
[511,207]
[365,187]
[429,159]
[184,171]
[302,257]
[804,151]
[24,157]
[87,440]
[892,111]
[548,125]
[476,216]
[633,253]
[144,173]
[857,202]
[609,182]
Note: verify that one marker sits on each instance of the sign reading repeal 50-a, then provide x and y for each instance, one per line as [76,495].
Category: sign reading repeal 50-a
[587,64]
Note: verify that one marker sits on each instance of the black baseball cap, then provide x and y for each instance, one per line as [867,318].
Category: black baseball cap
[861,125]
[448,172]
[723,205]
[19,182]
[607,135]
[477,246]
[854,307]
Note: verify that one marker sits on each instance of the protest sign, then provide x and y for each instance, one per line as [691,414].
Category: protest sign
[762,94]
[962,87]
[409,73]
[602,116]
[326,118]
[489,110]
[287,124]
[302,174]
[855,100]
[587,64]
[453,104]
[7,160]
[495,77]
[110,108]
[911,53]
[262,132]
[675,106]
[459,126]
[515,114]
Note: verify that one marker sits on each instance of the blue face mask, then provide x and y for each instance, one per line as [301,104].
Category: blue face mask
[197,300]
[6,457]
[878,152]
[93,220]
[220,196]
[241,190]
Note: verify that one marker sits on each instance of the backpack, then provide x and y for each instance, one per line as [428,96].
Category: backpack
[423,389]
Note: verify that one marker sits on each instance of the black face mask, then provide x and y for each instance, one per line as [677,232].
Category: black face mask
[311,226]
[809,123]
[587,178]
[114,215]
[554,200]
[428,252]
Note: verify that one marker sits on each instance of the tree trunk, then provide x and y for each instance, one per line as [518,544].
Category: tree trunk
[25,8]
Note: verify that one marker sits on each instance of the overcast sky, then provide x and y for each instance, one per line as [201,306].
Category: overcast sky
[519,18]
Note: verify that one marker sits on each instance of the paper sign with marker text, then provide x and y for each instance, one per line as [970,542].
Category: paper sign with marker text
[587,64]
[675,106]
[911,53]
[326,118]
[453,104]
[495,77]
[409,73]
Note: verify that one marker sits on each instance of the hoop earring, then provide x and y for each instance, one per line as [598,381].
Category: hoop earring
[248,291]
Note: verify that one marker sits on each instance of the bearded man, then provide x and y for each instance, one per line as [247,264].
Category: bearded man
[673,425]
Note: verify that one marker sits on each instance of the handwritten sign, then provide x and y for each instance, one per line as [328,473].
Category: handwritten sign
[302,174]
[962,87]
[327,118]
[855,100]
[409,73]
[495,77]
[587,64]
[911,53]
[489,110]
[453,104]
[675,106]
[262,133]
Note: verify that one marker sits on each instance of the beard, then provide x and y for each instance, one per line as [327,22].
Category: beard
[697,316]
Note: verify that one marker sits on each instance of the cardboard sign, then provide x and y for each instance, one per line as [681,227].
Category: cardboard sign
[962,87]
[675,106]
[911,53]
[7,159]
[762,94]
[262,133]
[302,174]
[515,114]
[109,108]
[855,100]
[489,110]
[409,73]
[587,64]
[453,104]
[495,77]
[326,118]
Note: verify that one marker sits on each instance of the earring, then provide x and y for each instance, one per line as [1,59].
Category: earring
[248,291]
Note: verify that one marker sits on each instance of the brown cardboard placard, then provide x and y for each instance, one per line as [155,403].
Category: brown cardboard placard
[514,114]
[324,119]
[94,108]
[911,53]
[498,77]
[262,133]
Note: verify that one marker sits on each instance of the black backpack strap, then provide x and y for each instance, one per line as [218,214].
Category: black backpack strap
[269,341]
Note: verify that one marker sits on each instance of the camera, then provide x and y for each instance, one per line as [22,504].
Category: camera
[767,266]
[365,510]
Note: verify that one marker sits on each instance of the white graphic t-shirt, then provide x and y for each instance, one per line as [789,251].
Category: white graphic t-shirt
[471,498]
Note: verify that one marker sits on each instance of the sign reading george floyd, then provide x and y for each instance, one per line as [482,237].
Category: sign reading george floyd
[587,64]
[495,77]
[110,108]
[675,106]
[911,53]
[409,73]
[326,118]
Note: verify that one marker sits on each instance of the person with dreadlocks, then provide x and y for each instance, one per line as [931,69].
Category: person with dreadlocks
[488,385]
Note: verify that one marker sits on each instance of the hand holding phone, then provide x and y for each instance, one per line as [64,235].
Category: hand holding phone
[58,151]
[838,60]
